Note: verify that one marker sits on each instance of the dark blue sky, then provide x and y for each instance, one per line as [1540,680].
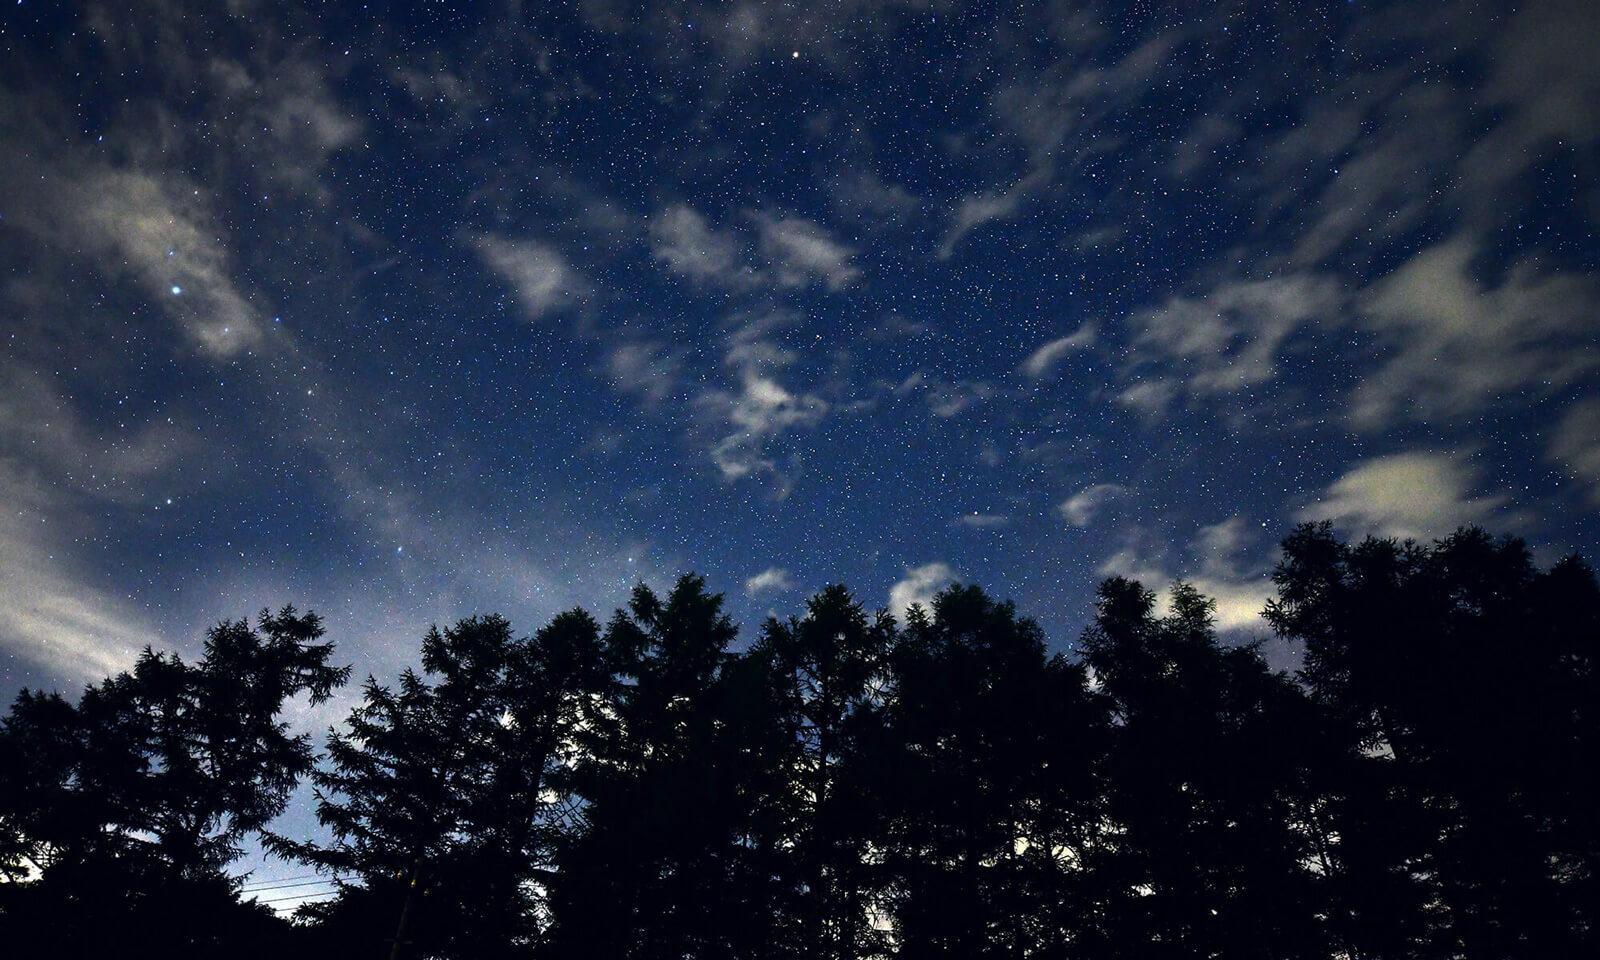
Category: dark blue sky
[402,315]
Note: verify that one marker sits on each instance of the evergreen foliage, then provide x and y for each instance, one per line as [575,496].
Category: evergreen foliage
[852,787]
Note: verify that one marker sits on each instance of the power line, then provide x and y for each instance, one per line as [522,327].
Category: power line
[272,880]
[284,886]
[302,897]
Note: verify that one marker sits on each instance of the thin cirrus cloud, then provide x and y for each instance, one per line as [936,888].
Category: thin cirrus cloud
[51,611]
[1458,344]
[647,369]
[784,252]
[1038,113]
[1044,359]
[161,233]
[1575,443]
[1230,339]
[1082,508]
[687,245]
[983,521]
[803,252]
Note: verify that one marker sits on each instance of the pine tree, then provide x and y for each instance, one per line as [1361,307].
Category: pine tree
[444,794]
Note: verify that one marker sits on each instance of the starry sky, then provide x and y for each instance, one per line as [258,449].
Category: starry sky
[403,313]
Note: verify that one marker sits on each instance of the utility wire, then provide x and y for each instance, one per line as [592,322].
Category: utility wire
[284,886]
[272,880]
[302,897]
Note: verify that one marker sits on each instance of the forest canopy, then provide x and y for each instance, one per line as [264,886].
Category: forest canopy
[847,785]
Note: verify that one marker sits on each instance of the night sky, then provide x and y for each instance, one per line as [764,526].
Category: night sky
[406,314]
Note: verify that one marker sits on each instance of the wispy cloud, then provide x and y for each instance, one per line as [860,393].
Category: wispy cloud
[650,370]
[802,252]
[1041,113]
[1547,77]
[1228,340]
[161,233]
[762,409]
[945,398]
[683,240]
[53,472]
[1405,495]
[770,580]
[1456,344]
[543,279]
[1044,359]
[1082,508]
[975,211]
[918,587]
[793,251]
[1576,443]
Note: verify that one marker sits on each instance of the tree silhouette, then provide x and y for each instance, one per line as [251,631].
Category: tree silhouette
[1212,847]
[659,869]
[850,787]
[997,749]
[826,671]
[1466,675]
[135,799]
[442,795]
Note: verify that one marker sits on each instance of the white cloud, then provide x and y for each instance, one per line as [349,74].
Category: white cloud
[1200,144]
[1220,544]
[51,618]
[544,281]
[1225,573]
[770,580]
[1148,396]
[1546,73]
[1041,111]
[1098,238]
[1230,339]
[802,252]
[761,410]
[682,239]
[918,587]
[646,369]
[1404,495]
[305,119]
[40,428]
[1239,604]
[1576,442]
[949,399]
[764,406]
[1044,359]
[162,233]
[945,398]
[976,211]
[1456,345]
[864,196]
[1389,182]
[1080,509]
[797,252]
[49,614]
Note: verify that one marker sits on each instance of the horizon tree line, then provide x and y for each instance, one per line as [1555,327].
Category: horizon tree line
[852,786]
